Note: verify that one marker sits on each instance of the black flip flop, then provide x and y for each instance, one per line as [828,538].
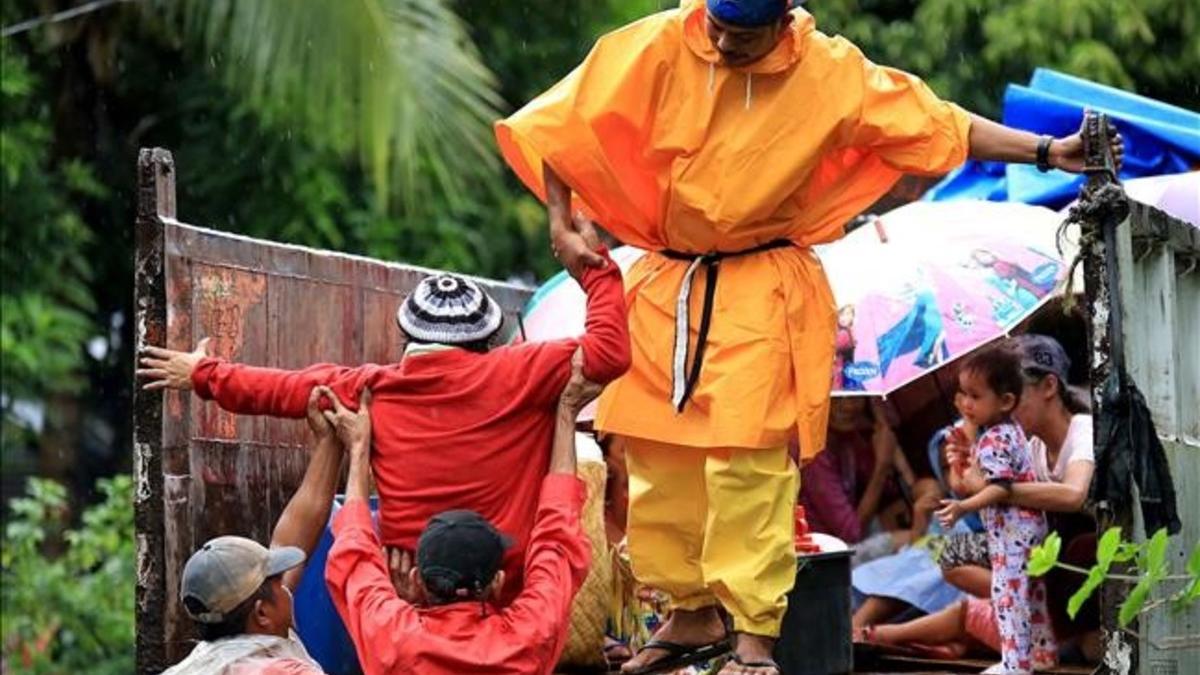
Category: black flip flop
[757,664]
[679,655]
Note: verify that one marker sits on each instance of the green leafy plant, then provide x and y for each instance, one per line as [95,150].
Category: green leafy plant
[68,592]
[1153,573]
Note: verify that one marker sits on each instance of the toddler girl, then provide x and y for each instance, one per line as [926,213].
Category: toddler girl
[990,384]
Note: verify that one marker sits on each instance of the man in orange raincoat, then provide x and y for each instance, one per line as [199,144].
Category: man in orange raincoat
[728,137]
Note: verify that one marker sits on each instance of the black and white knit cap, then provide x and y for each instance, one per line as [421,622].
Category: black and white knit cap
[446,309]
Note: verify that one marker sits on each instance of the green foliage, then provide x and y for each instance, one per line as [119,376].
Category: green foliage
[1153,571]
[45,300]
[969,49]
[1192,593]
[71,611]
[1095,577]
[1044,557]
[398,81]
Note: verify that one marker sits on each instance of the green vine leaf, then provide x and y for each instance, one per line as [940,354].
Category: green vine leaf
[1106,549]
[1156,555]
[1126,552]
[1134,603]
[1044,556]
[1095,577]
[1193,563]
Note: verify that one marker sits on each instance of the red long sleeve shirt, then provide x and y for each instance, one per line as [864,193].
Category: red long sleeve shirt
[452,429]
[393,636]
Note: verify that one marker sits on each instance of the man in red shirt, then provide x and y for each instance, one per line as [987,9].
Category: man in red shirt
[454,627]
[457,424]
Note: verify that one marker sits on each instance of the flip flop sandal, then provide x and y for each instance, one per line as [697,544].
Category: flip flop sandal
[678,656]
[758,664]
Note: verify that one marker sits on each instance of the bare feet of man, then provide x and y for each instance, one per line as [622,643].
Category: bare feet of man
[688,629]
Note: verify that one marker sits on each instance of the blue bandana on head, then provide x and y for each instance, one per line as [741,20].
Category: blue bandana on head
[748,13]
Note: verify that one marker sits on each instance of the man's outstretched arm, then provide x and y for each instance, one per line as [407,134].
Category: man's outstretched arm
[304,518]
[247,390]
[991,141]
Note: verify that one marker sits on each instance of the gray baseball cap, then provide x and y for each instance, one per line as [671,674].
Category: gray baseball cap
[1044,354]
[226,571]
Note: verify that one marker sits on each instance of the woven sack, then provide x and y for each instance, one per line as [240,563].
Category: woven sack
[589,612]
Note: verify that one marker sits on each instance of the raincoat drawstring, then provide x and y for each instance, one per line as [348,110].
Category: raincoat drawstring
[712,79]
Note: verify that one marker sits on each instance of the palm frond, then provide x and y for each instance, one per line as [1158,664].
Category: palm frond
[398,82]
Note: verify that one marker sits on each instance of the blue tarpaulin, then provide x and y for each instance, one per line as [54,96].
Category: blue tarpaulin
[1159,139]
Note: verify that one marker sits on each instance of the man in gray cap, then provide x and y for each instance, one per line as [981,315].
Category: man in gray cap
[239,592]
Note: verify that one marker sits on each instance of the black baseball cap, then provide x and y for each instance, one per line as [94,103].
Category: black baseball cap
[1043,354]
[459,553]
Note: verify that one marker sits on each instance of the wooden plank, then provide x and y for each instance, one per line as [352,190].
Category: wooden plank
[1187,352]
[229,307]
[156,198]
[1148,299]
[1164,625]
[382,340]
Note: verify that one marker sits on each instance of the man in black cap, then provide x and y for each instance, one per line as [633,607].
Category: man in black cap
[239,592]
[454,625]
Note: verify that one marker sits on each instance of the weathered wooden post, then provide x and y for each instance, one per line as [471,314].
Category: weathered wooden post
[155,200]
[1102,208]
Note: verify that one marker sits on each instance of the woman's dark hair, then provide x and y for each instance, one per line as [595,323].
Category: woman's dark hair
[235,621]
[1000,366]
[1073,401]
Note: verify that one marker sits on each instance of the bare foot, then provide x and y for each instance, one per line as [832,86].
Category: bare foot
[757,649]
[689,628]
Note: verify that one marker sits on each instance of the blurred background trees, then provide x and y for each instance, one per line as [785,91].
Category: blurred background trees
[365,127]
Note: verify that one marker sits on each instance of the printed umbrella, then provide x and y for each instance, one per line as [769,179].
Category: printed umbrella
[932,281]
[1177,194]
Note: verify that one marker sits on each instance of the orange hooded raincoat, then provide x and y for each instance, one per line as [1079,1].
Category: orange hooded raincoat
[668,149]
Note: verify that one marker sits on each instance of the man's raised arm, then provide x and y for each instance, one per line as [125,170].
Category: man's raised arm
[304,518]
[559,553]
[245,389]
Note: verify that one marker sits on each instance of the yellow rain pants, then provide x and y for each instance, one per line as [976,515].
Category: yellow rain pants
[714,525]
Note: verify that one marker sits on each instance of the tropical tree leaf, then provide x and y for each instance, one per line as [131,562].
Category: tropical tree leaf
[398,82]
[1045,555]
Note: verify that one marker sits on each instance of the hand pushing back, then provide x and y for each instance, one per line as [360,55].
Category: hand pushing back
[579,390]
[353,427]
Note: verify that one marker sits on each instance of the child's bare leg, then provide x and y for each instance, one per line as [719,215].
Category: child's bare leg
[876,610]
[970,579]
[942,627]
